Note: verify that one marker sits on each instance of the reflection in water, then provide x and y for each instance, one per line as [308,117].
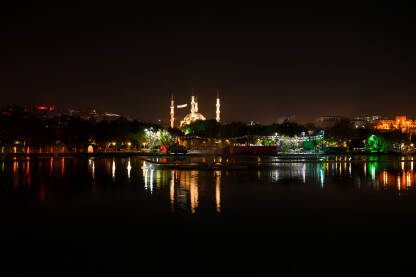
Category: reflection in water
[399,185]
[304,173]
[282,171]
[148,176]
[93,169]
[385,179]
[188,181]
[349,169]
[408,180]
[51,166]
[113,170]
[186,188]
[401,178]
[372,167]
[144,168]
[62,166]
[128,169]
[28,175]
[27,166]
[172,190]
[91,164]
[15,174]
[321,169]
[275,175]
[218,190]
[194,190]
[151,180]
[182,186]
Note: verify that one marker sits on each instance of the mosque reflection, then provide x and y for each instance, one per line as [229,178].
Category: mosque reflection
[184,186]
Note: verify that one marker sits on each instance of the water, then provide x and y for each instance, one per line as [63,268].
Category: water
[337,215]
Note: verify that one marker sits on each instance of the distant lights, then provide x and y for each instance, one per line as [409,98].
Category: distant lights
[44,108]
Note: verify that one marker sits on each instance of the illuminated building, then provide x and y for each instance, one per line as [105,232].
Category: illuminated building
[399,123]
[194,115]
[365,121]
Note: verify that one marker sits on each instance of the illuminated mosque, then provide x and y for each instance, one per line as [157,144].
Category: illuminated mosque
[194,115]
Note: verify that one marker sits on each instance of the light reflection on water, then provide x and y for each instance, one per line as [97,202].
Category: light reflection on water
[187,190]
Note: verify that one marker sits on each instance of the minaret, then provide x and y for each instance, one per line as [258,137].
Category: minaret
[172,112]
[217,112]
[193,106]
[196,104]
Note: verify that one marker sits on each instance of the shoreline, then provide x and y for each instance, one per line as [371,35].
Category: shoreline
[284,156]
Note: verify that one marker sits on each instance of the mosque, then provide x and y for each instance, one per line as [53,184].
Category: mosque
[194,115]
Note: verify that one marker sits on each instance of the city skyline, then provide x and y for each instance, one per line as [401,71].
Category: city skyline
[268,63]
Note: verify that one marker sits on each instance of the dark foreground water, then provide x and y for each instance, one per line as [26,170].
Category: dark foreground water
[119,216]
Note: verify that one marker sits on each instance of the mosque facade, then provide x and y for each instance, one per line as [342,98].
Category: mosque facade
[194,115]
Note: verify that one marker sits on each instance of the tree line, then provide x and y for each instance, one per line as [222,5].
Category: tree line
[74,131]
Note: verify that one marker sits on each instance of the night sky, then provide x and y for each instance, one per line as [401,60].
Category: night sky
[305,61]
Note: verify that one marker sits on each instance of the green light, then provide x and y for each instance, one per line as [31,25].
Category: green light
[373,168]
[376,144]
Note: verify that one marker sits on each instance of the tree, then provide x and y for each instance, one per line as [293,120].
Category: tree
[376,144]
[204,128]
[164,137]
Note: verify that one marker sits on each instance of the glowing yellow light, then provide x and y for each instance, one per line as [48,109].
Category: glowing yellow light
[193,191]
[113,170]
[128,169]
[398,183]
[172,189]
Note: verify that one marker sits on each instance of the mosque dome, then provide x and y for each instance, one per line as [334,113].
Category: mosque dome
[191,117]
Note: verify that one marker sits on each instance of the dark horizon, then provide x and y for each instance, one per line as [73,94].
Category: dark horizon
[268,63]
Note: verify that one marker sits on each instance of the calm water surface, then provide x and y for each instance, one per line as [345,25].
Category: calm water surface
[337,215]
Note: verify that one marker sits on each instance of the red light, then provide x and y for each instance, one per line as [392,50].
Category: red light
[46,108]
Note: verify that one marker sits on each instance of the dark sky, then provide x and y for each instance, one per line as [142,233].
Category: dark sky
[307,61]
